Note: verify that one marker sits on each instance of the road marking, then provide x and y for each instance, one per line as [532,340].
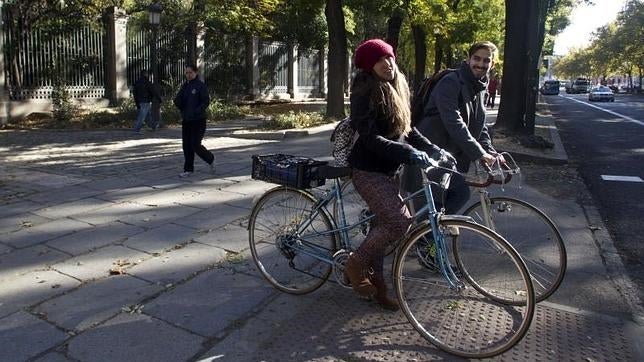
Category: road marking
[606,110]
[621,178]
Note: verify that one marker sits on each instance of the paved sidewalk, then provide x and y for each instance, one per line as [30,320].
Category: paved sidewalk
[105,255]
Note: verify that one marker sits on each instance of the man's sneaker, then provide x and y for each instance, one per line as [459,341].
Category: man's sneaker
[138,132]
[185,174]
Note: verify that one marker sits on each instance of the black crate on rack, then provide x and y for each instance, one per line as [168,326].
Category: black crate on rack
[287,170]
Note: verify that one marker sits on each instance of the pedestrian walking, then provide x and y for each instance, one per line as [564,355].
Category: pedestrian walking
[490,96]
[381,115]
[192,100]
[144,94]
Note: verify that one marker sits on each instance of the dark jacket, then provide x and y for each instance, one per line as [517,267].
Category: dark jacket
[144,91]
[374,151]
[192,100]
[454,117]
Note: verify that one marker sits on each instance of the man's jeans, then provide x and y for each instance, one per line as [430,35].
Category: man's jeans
[142,116]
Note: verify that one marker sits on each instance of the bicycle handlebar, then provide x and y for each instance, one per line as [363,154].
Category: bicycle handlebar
[506,170]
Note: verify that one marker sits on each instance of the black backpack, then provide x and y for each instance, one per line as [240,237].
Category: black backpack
[421,96]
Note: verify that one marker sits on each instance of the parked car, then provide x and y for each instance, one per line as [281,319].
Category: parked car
[550,87]
[601,93]
[580,85]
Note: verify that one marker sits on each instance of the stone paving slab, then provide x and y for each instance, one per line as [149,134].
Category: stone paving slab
[53,357]
[126,194]
[4,249]
[98,263]
[44,180]
[82,206]
[212,218]
[133,338]
[177,265]
[241,343]
[153,217]
[31,288]
[211,199]
[65,194]
[115,212]
[95,303]
[87,240]
[23,336]
[166,197]
[211,301]
[22,261]
[37,234]
[16,208]
[160,239]
[14,223]
[229,237]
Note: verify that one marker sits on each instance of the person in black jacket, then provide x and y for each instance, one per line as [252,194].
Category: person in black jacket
[381,115]
[144,94]
[454,119]
[192,100]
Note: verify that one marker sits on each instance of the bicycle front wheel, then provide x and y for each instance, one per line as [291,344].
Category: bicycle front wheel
[463,321]
[292,262]
[533,235]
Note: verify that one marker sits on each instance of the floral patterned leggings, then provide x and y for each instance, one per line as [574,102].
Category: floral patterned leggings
[392,218]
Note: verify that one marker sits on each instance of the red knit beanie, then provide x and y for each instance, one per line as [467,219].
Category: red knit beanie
[370,52]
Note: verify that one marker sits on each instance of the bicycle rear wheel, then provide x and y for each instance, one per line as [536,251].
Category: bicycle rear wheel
[464,321]
[533,235]
[292,263]
[356,210]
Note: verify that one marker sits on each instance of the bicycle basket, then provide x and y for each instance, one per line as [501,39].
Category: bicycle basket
[287,170]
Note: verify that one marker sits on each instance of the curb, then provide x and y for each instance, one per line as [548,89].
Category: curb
[281,134]
[560,156]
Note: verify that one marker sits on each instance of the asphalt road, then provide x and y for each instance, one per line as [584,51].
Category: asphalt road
[602,140]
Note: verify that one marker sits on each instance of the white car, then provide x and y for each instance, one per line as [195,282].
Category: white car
[601,93]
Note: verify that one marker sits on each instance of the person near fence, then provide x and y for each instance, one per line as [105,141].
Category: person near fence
[144,94]
[193,100]
[490,96]
[381,115]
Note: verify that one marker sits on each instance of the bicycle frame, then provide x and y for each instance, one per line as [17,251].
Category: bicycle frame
[341,228]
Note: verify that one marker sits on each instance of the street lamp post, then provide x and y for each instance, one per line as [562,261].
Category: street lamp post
[155,19]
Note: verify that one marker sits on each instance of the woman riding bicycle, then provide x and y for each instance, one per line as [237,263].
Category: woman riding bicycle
[380,113]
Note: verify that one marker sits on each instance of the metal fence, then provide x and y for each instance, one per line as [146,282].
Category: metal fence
[35,61]
[308,72]
[273,67]
[172,50]
[225,69]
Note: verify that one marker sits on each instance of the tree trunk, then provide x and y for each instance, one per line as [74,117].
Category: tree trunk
[192,32]
[535,32]
[438,53]
[337,58]
[369,26]
[394,23]
[513,90]
[420,54]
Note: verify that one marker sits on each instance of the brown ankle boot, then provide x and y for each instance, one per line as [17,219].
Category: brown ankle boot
[381,293]
[357,274]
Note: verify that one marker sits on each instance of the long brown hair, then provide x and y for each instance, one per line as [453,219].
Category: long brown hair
[393,100]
